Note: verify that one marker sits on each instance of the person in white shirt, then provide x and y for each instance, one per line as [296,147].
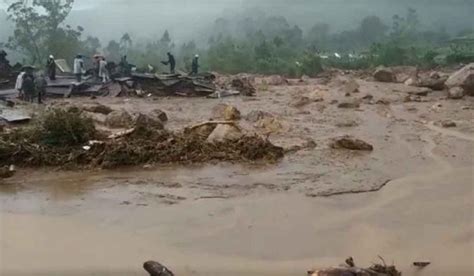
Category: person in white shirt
[103,72]
[19,84]
[78,67]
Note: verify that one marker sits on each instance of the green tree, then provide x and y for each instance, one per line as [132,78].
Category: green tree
[371,30]
[39,29]
[125,43]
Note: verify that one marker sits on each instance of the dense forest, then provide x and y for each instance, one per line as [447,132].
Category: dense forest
[255,39]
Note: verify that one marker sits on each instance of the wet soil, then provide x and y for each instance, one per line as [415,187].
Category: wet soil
[262,219]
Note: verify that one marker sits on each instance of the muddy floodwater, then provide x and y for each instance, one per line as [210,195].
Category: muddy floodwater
[410,199]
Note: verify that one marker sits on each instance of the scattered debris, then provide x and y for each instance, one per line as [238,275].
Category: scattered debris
[14,115]
[350,269]
[383,74]
[351,143]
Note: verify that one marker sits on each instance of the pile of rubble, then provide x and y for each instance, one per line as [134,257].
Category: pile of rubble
[67,138]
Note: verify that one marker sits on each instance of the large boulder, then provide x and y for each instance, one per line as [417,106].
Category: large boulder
[456,93]
[225,132]
[384,74]
[352,86]
[119,119]
[351,143]
[463,78]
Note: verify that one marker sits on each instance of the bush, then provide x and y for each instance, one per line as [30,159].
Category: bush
[66,127]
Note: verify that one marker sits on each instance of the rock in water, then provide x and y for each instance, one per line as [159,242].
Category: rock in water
[119,119]
[160,114]
[456,93]
[99,108]
[349,104]
[448,124]
[225,132]
[463,78]
[300,102]
[351,143]
[435,84]
[384,74]
[156,269]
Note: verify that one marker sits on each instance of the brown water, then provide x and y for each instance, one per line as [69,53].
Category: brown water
[230,219]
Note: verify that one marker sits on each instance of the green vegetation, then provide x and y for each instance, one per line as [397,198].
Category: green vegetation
[255,44]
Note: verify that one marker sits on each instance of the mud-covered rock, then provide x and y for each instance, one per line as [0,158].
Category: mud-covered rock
[244,86]
[351,143]
[349,104]
[347,123]
[148,122]
[352,86]
[226,112]
[257,115]
[7,171]
[456,93]
[270,125]
[160,114]
[119,119]
[437,84]
[225,132]
[383,74]
[98,108]
[447,124]
[300,102]
[463,78]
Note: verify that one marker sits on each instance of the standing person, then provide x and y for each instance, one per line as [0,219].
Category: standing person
[51,68]
[28,86]
[78,67]
[19,84]
[195,65]
[97,59]
[171,62]
[40,87]
[103,72]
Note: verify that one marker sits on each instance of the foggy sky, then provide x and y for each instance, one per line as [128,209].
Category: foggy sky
[190,19]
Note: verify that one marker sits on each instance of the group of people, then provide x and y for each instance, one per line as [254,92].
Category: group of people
[29,86]
[172,63]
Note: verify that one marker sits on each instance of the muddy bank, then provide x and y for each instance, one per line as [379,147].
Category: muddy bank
[417,217]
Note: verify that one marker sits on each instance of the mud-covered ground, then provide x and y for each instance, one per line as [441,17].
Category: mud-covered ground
[263,219]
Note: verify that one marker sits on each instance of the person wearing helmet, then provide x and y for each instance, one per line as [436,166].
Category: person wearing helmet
[51,68]
[195,65]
